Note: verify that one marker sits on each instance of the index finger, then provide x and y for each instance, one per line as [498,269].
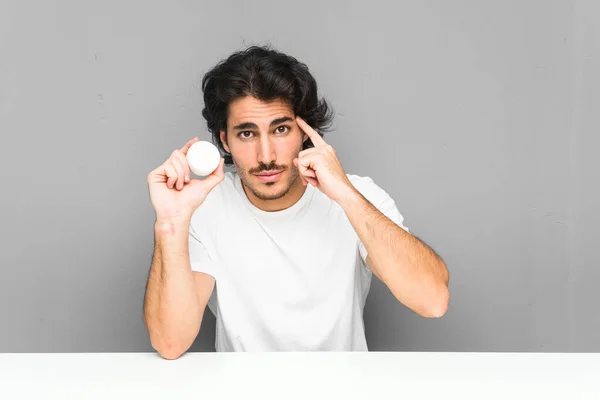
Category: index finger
[189,144]
[312,134]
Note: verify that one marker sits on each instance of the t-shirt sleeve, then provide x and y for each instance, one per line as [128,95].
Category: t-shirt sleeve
[200,258]
[383,202]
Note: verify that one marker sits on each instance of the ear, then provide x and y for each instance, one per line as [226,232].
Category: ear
[304,138]
[223,137]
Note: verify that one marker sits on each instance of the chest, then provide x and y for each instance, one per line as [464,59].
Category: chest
[287,261]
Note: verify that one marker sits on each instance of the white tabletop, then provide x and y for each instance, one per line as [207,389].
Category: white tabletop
[301,375]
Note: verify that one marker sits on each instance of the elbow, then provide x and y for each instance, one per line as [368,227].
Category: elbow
[170,355]
[437,311]
[166,347]
[169,351]
[438,305]
[171,345]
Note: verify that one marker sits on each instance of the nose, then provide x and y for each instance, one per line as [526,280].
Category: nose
[266,152]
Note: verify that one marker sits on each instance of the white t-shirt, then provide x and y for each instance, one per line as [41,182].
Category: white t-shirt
[289,280]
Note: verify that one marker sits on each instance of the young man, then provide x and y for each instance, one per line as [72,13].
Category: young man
[282,250]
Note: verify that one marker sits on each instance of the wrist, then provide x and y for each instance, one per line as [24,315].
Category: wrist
[172,224]
[350,197]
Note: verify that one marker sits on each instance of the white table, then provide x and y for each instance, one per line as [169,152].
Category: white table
[311,376]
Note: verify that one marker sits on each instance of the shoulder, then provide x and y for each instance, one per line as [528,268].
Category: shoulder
[360,182]
[369,189]
[377,196]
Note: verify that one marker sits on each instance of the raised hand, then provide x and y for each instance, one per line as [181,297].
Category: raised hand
[173,193]
[321,167]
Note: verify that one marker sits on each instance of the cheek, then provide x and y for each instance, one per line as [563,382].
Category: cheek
[243,153]
[287,156]
[293,146]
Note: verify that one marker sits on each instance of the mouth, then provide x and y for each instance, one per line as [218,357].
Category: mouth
[270,176]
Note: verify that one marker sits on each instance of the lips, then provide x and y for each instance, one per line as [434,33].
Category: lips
[270,176]
[269,173]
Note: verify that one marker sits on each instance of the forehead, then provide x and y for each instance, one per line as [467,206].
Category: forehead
[251,109]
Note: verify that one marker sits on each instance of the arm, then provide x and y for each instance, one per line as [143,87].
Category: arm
[176,297]
[415,275]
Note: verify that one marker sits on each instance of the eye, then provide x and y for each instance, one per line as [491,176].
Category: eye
[244,136]
[282,129]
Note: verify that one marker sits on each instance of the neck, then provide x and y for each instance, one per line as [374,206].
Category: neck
[289,199]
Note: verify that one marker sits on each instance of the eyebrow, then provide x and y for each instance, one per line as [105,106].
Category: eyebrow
[252,125]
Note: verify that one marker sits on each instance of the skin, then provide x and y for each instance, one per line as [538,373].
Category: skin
[176,297]
[268,145]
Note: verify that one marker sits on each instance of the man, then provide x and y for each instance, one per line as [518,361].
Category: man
[282,250]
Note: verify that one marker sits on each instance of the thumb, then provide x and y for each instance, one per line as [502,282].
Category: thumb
[212,180]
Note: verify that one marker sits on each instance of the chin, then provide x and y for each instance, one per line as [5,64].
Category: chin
[263,194]
[271,190]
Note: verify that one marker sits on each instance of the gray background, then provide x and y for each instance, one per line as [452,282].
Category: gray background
[479,117]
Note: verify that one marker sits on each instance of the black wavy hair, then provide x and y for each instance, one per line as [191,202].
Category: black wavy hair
[266,74]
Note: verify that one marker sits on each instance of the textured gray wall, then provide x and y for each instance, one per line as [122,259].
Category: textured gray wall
[479,117]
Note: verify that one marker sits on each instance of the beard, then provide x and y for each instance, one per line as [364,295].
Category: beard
[258,188]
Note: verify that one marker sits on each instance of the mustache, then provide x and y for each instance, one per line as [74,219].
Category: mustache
[267,167]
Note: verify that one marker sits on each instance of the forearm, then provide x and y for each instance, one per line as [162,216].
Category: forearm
[171,309]
[415,275]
